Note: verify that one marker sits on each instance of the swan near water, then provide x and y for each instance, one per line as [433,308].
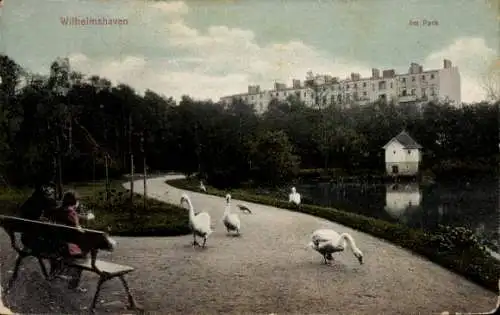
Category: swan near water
[231,220]
[327,242]
[202,187]
[294,196]
[199,223]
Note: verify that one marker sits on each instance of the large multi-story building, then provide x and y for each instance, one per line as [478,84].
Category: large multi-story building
[415,86]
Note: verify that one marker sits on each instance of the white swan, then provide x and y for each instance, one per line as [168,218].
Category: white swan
[202,187]
[294,197]
[496,310]
[199,223]
[244,208]
[3,309]
[327,241]
[231,220]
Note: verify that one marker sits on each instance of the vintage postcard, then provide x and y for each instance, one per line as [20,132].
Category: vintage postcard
[249,157]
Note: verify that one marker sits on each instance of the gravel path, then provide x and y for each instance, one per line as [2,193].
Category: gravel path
[268,269]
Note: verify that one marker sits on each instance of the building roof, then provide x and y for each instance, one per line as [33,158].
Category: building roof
[405,140]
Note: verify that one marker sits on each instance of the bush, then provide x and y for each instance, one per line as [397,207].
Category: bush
[117,215]
[455,248]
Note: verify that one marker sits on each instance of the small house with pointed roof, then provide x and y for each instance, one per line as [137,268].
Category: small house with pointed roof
[402,155]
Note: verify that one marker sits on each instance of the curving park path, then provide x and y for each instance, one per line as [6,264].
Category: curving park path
[269,269]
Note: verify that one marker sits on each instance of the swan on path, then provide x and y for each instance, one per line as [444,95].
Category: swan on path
[294,197]
[202,187]
[199,223]
[327,242]
[231,220]
[3,309]
[496,310]
[244,208]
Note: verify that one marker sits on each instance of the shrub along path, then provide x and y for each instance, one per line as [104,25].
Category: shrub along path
[268,269]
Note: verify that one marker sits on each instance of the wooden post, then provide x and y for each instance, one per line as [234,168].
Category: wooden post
[59,168]
[144,171]
[106,162]
[131,158]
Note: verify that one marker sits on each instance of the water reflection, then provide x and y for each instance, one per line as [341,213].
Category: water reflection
[402,199]
[467,203]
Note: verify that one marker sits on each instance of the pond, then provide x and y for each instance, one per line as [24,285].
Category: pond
[464,202]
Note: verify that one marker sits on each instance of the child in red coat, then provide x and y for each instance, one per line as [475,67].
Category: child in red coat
[67,214]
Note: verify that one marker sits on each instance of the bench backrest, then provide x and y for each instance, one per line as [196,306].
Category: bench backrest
[85,238]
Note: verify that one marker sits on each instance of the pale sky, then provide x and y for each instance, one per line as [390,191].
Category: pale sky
[208,49]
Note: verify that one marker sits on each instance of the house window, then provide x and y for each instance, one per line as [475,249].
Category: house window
[423,78]
[423,92]
[394,152]
[432,76]
[381,85]
[409,151]
[364,93]
[413,79]
[412,91]
[403,80]
[391,85]
[364,84]
[404,93]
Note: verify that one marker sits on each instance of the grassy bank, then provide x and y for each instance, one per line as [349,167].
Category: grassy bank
[116,215]
[454,248]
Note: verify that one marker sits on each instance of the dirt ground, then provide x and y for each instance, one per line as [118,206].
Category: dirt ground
[268,269]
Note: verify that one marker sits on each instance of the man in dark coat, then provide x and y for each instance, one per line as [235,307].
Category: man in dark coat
[42,200]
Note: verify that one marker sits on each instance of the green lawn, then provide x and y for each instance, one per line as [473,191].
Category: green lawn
[117,215]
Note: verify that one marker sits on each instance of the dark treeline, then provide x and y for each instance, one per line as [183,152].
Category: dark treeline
[43,119]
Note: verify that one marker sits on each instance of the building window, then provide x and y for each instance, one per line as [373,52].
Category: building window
[433,92]
[432,76]
[403,93]
[423,78]
[364,84]
[412,91]
[364,93]
[423,92]
[381,85]
[413,79]
[394,152]
[355,85]
[391,85]
[403,80]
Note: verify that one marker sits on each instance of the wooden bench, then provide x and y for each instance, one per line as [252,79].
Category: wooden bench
[85,238]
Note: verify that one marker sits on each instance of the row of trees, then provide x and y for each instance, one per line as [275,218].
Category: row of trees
[87,122]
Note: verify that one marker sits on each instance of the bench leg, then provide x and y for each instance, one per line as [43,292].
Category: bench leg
[131,301]
[15,273]
[99,284]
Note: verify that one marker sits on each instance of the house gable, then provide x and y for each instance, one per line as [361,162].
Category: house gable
[405,140]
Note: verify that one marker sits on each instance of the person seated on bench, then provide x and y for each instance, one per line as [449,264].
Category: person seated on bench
[42,200]
[68,215]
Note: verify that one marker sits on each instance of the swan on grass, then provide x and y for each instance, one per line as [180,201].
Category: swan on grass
[327,242]
[231,220]
[202,187]
[294,196]
[244,208]
[496,310]
[199,223]
[3,309]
